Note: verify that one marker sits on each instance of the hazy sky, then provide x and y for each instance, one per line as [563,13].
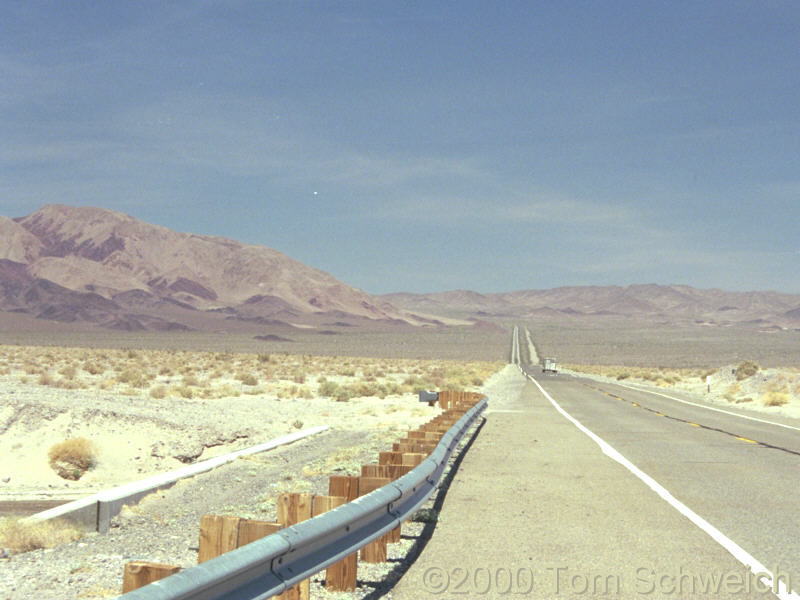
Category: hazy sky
[424,146]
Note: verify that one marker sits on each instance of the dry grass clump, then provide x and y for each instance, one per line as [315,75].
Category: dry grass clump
[134,378]
[732,392]
[46,378]
[247,378]
[158,392]
[18,535]
[775,398]
[72,457]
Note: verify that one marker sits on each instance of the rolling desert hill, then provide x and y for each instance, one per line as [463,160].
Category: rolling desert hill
[84,264]
[666,304]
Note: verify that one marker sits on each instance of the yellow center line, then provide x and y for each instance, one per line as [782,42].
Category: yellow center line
[660,414]
[744,439]
[634,403]
[694,424]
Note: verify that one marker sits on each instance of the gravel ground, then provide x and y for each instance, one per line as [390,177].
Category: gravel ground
[164,526]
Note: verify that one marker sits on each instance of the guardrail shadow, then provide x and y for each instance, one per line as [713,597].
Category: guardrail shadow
[381,588]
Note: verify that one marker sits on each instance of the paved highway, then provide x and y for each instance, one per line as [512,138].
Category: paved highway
[602,490]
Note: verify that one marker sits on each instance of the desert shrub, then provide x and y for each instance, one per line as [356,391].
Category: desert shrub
[186,392]
[298,424]
[72,457]
[68,372]
[746,369]
[134,378]
[93,368]
[228,391]
[19,536]
[304,392]
[264,358]
[343,395]
[425,515]
[775,398]
[328,388]
[158,392]
[247,378]
[190,380]
[47,378]
[68,384]
[363,389]
[335,391]
[411,380]
[731,392]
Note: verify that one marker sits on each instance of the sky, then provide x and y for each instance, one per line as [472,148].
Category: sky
[424,146]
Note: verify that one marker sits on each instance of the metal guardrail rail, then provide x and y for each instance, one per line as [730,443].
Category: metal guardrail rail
[275,563]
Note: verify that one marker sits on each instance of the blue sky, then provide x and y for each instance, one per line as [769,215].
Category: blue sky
[424,146]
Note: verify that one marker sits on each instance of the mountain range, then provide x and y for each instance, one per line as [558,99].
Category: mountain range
[84,264]
[96,266]
[668,304]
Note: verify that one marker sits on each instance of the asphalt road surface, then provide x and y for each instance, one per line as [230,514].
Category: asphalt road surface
[643,497]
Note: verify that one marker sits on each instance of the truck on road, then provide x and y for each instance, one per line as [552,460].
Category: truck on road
[549,365]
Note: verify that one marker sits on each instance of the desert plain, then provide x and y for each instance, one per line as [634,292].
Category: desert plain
[150,402]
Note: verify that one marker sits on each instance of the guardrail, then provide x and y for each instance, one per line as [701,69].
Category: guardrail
[277,562]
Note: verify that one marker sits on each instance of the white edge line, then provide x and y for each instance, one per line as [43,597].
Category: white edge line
[759,570]
[727,412]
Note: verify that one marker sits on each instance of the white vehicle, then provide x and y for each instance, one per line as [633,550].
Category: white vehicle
[549,366]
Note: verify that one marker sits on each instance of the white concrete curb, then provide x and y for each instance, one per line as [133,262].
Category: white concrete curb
[96,511]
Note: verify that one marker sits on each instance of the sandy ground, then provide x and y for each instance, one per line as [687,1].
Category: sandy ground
[138,437]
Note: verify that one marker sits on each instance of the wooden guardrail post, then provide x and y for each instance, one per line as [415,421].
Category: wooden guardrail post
[375,551]
[139,573]
[413,458]
[293,509]
[221,534]
[342,576]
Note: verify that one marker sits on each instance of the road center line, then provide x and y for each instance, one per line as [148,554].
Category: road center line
[727,412]
[757,568]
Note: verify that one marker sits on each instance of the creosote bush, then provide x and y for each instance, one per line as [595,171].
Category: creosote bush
[746,369]
[72,457]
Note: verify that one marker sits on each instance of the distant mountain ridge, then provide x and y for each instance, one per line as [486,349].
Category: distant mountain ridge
[91,264]
[670,303]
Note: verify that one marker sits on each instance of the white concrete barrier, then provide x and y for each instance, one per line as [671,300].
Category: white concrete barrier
[96,511]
